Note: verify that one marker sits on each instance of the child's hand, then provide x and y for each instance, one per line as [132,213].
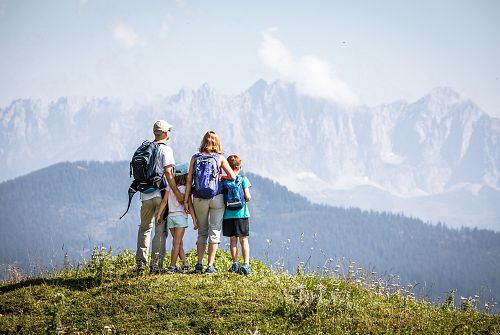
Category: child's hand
[158,219]
[186,207]
[195,225]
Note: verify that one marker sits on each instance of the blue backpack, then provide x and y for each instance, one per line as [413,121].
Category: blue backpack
[206,175]
[234,195]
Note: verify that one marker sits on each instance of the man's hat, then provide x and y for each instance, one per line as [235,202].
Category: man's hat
[161,126]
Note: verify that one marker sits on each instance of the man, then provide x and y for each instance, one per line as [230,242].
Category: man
[150,203]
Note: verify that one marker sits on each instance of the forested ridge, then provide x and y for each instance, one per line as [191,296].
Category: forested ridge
[68,208]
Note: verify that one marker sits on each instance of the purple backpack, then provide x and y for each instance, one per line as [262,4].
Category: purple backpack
[206,175]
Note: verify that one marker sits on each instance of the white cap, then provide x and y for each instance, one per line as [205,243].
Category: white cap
[161,126]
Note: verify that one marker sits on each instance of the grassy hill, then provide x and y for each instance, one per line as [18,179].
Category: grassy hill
[105,296]
[68,208]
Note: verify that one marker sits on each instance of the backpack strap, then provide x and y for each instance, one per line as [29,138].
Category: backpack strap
[131,191]
[155,156]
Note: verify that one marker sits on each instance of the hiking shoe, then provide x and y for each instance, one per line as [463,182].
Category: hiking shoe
[172,269]
[210,270]
[198,268]
[185,268]
[245,269]
[235,267]
[140,270]
[155,271]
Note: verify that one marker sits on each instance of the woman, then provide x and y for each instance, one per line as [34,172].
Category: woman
[208,202]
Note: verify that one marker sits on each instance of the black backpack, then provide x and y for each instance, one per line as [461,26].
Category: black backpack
[143,169]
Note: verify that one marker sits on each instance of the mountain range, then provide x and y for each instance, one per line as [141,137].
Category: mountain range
[437,158]
[70,208]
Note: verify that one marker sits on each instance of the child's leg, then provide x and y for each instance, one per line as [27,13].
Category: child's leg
[182,254]
[172,233]
[178,234]
[245,249]
[233,247]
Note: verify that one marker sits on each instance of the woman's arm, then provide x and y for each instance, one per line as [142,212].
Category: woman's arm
[227,168]
[189,182]
[163,204]
[193,214]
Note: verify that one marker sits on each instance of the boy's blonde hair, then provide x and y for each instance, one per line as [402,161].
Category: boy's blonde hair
[234,161]
[211,143]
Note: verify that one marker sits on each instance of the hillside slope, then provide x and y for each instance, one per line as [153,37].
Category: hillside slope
[72,207]
[105,297]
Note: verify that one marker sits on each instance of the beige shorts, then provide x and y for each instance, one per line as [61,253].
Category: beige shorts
[209,213]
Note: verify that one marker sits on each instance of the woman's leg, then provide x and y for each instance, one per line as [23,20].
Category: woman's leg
[201,209]
[216,216]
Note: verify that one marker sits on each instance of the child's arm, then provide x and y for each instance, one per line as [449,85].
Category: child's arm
[193,214]
[246,189]
[247,194]
[163,204]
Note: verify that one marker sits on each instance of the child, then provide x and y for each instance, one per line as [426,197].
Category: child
[236,223]
[177,219]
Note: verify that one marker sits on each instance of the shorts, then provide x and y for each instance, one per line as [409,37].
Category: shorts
[177,221]
[235,227]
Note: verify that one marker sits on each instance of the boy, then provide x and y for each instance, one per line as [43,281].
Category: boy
[236,223]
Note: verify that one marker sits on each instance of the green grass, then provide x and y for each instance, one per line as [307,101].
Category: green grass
[105,296]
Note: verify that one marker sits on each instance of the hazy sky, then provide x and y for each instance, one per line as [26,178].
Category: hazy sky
[352,52]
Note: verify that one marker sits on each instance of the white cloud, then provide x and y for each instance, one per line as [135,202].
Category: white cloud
[83,2]
[312,75]
[126,36]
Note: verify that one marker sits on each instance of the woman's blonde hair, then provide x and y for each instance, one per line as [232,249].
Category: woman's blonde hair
[210,143]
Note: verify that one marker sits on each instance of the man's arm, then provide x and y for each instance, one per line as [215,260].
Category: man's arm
[171,183]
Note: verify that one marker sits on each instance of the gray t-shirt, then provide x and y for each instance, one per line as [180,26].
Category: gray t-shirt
[165,158]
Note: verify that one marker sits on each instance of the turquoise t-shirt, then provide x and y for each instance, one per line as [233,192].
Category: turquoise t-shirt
[242,212]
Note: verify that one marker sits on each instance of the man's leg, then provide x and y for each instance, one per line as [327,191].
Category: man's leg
[144,233]
[159,247]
